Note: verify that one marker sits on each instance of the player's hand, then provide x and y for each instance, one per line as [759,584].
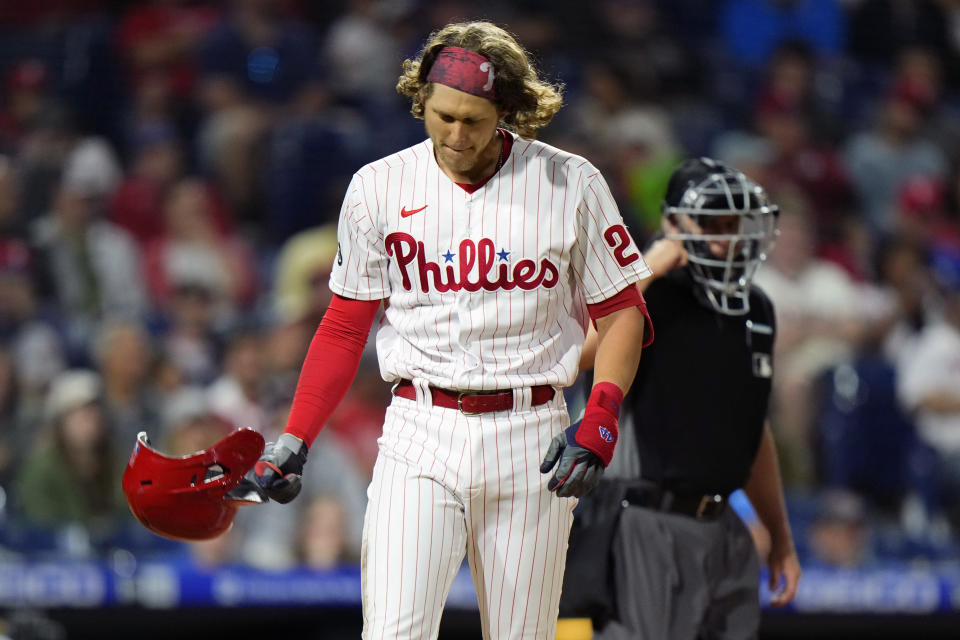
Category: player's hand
[583,450]
[578,469]
[280,469]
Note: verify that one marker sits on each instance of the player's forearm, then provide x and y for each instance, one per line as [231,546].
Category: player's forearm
[330,366]
[765,490]
[619,343]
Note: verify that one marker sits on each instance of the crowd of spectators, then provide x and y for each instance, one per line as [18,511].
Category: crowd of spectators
[171,173]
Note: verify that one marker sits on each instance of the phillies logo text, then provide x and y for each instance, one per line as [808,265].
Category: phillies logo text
[488,276]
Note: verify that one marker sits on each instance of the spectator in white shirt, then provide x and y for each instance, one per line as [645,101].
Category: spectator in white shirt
[929,382]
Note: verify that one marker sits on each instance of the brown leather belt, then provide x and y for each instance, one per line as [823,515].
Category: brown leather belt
[700,506]
[472,403]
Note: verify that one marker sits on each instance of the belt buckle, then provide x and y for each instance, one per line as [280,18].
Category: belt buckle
[460,404]
[706,501]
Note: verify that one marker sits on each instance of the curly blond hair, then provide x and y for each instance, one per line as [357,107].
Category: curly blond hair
[529,103]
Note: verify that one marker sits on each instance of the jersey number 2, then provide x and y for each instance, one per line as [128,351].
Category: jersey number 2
[619,240]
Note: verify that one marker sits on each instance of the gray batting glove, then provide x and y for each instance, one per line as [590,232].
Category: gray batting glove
[280,469]
[578,469]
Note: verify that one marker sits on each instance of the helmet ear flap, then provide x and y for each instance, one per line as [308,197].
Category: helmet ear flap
[183,498]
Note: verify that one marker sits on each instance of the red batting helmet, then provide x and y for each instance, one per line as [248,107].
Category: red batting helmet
[184,498]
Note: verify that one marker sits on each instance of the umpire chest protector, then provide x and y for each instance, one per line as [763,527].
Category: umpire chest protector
[701,394]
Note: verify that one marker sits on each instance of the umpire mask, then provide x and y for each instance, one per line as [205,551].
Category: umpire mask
[727,226]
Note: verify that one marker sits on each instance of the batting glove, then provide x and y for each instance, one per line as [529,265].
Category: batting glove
[280,469]
[583,450]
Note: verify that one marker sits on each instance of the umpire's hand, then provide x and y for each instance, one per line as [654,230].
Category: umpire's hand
[578,469]
[280,469]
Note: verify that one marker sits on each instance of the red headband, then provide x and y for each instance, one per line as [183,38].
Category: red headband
[465,71]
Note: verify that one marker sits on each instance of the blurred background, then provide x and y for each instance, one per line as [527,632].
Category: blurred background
[171,173]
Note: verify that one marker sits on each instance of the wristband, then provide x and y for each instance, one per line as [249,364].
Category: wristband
[598,430]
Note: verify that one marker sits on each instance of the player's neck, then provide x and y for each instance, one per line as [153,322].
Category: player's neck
[493,157]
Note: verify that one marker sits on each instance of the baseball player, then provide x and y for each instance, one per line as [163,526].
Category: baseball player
[684,565]
[490,253]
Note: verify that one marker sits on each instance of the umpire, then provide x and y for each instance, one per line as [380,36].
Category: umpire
[682,563]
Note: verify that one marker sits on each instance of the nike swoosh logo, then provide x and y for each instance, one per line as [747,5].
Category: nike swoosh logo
[404,212]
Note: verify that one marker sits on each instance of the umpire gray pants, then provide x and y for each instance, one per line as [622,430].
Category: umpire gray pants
[678,578]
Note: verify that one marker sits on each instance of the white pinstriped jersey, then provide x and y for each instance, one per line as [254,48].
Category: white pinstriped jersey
[485,290]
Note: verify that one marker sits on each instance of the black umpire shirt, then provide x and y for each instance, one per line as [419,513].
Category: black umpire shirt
[700,398]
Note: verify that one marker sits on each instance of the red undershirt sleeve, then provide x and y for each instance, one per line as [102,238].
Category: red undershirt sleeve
[629,297]
[331,365]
